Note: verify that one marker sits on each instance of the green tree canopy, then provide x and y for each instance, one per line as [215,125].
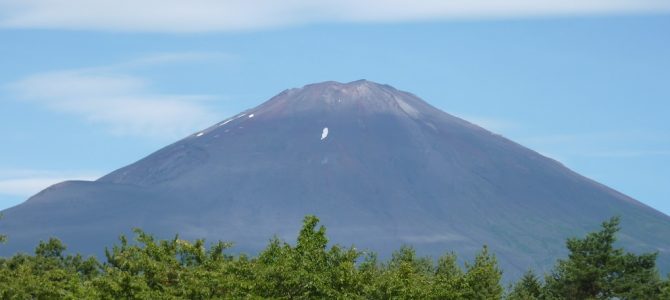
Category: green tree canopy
[150,268]
[595,269]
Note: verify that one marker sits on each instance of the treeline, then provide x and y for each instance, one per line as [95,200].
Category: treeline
[177,269]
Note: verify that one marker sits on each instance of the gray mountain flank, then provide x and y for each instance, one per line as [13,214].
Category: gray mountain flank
[380,167]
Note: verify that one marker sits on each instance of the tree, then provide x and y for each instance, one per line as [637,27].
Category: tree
[307,270]
[3,238]
[528,287]
[49,274]
[54,248]
[405,276]
[665,289]
[596,270]
[449,281]
[483,277]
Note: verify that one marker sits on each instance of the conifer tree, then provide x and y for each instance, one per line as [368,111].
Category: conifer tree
[483,277]
[528,287]
[595,269]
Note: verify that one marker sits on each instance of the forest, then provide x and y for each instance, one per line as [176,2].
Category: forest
[149,268]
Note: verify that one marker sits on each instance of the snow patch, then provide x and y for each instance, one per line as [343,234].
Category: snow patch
[324,133]
[199,134]
[235,118]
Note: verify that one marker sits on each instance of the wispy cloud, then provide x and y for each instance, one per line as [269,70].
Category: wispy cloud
[622,144]
[437,238]
[597,138]
[628,153]
[231,15]
[168,58]
[125,104]
[493,124]
[25,183]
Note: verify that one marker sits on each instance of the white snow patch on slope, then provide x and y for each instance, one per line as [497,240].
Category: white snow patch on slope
[324,133]
[200,134]
[233,119]
[251,116]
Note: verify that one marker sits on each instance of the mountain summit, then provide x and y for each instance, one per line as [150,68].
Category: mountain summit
[379,166]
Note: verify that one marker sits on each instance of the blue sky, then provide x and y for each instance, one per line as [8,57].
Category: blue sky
[86,89]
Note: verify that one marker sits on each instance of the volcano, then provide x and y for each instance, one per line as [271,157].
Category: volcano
[380,167]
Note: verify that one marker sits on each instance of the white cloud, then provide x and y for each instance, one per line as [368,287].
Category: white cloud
[25,183]
[232,15]
[123,103]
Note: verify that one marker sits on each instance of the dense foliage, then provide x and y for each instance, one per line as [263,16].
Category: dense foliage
[177,269]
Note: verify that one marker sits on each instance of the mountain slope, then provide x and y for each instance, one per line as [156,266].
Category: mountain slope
[379,166]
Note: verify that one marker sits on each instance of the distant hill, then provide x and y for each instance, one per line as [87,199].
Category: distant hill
[379,166]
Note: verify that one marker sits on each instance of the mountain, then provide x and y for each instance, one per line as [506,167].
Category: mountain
[379,166]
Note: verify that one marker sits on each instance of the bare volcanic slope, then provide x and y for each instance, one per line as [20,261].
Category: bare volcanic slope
[379,166]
